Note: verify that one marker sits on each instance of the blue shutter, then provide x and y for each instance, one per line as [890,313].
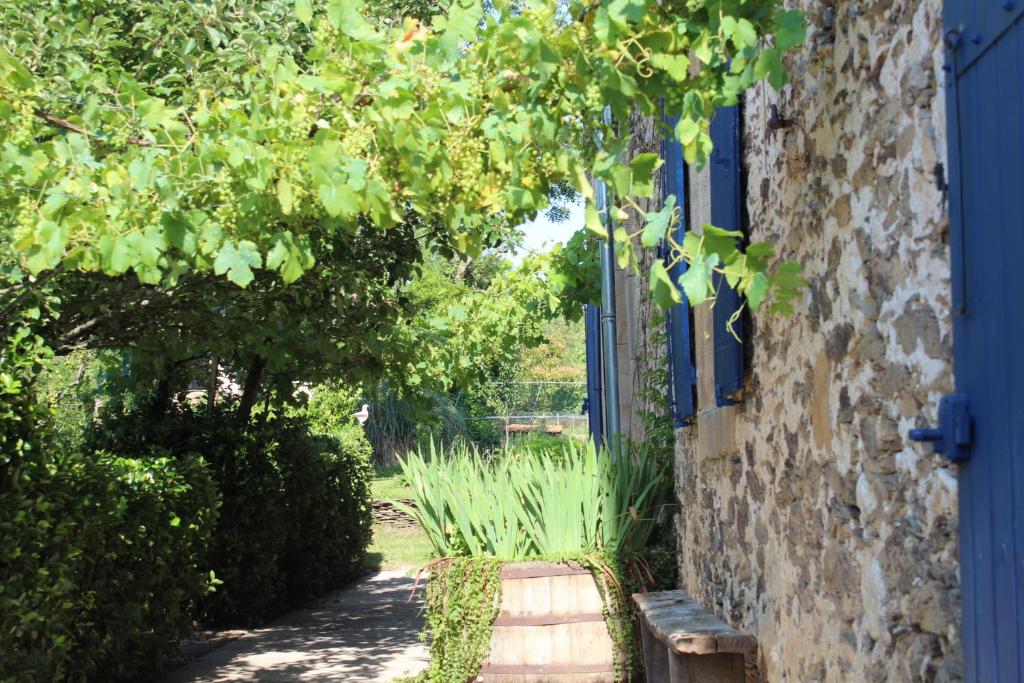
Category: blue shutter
[677,320]
[595,403]
[726,212]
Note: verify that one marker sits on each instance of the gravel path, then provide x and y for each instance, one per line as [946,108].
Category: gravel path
[369,632]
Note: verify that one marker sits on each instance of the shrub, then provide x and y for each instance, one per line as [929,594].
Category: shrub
[145,526]
[295,517]
[103,562]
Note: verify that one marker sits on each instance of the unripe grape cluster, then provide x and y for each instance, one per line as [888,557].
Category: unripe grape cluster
[224,198]
[674,99]
[466,159]
[24,122]
[356,140]
[25,218]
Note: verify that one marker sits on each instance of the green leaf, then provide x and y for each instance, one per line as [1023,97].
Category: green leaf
[285,195]
[712,231]
[687,130]
[339,199]
[786,284]
[676,66]
[592,219]
[757,290]
[624,11]
[696,281]
[347,17]
[304,11]
[658,223]
[744,35]
[644,166]
[791,29]
[769,65]
[625,252]
[662,288]
[238,262]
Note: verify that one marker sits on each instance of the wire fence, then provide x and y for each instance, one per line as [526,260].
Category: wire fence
[553,407]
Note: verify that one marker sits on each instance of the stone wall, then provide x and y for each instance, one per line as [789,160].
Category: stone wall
[806,517]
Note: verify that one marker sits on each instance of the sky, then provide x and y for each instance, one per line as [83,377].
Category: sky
[541,234]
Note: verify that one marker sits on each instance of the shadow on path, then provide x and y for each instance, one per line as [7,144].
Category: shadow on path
[369,632]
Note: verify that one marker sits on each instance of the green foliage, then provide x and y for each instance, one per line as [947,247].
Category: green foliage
[69,386]
[190,143]
[103,559]
[561,358]
[527,505]
[329,412]
[295,517]
[463,599]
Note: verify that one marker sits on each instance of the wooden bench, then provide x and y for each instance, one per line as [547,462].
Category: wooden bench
[685,643]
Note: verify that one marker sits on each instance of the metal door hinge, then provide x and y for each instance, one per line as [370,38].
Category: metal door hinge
[952,437]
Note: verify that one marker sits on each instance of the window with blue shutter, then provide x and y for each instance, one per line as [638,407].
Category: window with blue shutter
[682,377]
[726,212]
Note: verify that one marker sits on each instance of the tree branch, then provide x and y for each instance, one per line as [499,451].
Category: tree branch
[67,125]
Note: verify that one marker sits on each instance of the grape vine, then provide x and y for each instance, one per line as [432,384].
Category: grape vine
[115,167]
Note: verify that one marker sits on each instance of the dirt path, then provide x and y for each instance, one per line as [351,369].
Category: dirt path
[365,633]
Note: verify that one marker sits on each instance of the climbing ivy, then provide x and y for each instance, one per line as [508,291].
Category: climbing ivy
[619,613]
[463,599]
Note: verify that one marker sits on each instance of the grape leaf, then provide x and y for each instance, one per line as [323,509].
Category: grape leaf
[658,223]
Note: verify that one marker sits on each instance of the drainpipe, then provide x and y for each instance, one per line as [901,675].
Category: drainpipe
[613,431]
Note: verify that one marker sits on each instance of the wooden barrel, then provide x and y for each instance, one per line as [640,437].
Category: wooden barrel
[550,629]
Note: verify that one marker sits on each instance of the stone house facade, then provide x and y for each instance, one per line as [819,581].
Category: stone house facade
[805,515]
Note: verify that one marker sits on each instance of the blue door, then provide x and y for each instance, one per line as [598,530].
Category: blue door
[982,426]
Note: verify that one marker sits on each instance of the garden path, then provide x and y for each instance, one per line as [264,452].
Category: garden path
[369,632]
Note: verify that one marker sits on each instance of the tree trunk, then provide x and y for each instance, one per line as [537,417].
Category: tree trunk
[212,383]
[252,386]
[162,398]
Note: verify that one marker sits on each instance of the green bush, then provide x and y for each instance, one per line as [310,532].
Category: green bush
[295,521]
[295,515]
[103,559]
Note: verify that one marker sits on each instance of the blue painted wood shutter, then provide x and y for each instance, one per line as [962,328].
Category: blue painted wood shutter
[682,377]
[726,212]
[595,400]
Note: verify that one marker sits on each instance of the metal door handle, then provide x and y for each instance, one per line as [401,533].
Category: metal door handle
[952,437]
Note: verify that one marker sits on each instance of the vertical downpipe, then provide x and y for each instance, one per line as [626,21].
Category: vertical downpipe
[613,430]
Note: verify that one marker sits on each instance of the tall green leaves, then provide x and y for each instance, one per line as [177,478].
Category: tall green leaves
[523,505]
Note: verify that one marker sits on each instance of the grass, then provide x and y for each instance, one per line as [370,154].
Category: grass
[389,484]
[398,548]
[395,547]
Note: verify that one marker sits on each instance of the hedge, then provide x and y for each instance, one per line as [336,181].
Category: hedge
[103,562]
[295,515]
[108,562]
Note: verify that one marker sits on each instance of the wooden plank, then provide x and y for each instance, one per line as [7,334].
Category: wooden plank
[720,668]
[533,570]
[685,627]
[656,656]
[699,186]
[570,668]
[546,619]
